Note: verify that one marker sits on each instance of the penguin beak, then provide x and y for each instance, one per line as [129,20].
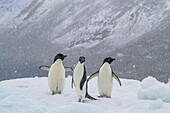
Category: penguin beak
[113,59]
[65,56]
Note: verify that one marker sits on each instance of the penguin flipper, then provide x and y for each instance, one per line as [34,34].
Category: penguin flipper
[93,75]
[116,77]
[83,80]
[47,68]
[68,68]
[72,82]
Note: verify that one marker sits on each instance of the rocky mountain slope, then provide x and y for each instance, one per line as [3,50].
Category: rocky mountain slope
[136,32]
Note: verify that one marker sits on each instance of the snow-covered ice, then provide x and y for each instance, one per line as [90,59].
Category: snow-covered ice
[35,97]
[151,89]
[156,105]
[15,101]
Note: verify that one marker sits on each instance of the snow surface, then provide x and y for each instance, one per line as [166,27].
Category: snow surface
[35,97]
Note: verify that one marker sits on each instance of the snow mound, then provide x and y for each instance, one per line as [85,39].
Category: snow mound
[149,82]
[156,105]
[17,101]
[151,89]
[169,82]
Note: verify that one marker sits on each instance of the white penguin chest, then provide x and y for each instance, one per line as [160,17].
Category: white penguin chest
[78,74]
[105,73]
[57,71]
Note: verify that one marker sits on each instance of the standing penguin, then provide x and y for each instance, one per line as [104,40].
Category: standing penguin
[105,78]
[56,75]
[79,80]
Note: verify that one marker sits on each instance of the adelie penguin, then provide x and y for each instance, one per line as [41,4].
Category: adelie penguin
[56,74]
[105,78]
[79,80]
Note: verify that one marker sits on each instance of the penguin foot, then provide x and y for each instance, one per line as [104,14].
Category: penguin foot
[83,101]
[59,92]
[53,93]
[100,96]
[108,97]
[79,100]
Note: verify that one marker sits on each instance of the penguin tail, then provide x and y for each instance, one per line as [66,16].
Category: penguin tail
[90,97]
[87,94]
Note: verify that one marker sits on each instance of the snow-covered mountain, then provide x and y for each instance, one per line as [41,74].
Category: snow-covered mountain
[136,32]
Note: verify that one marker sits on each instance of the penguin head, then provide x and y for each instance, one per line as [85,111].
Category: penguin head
[108,60]
[59,56]
[82,59]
